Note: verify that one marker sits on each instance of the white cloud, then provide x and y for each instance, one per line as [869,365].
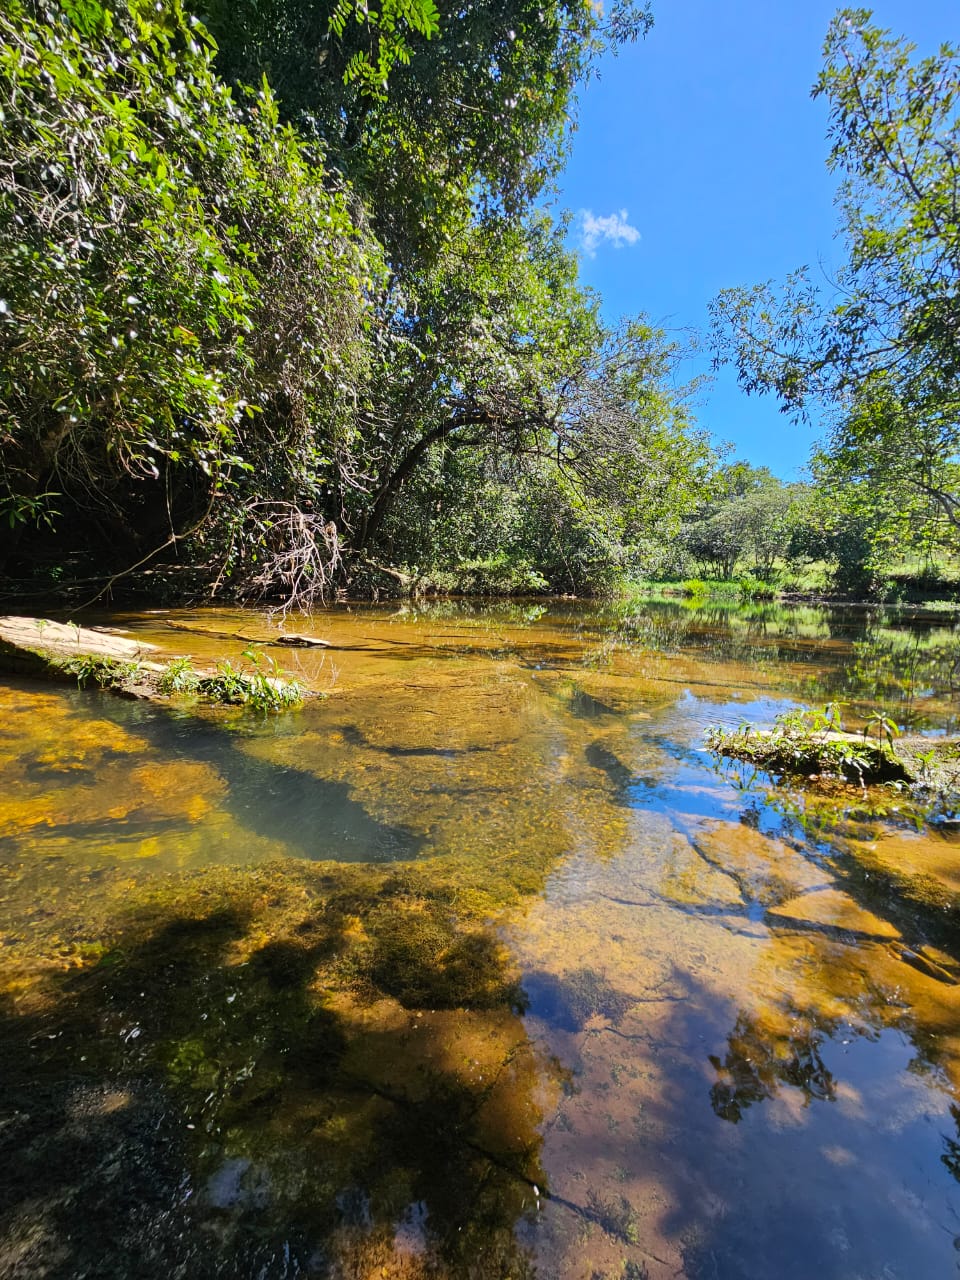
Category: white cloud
[613,229]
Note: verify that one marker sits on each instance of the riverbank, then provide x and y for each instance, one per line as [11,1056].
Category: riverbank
[109,660]
[737,591]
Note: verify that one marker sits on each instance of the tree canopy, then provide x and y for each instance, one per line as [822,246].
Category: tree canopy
[468,109]
[315,330]
[883,351]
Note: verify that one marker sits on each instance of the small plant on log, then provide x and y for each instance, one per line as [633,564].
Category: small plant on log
[813,742]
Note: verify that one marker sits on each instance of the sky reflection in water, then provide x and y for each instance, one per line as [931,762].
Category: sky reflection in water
[482,966]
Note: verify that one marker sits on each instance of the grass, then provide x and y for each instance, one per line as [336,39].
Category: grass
[744,588]
[105,673]
[258,685]
[931,584]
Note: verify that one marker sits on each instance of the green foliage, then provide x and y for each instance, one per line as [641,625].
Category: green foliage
[386,29]
[431,114]
[520,424]
[884,352]
[24,509]
[750,587]
[105,673]
[178,676]
[748,513]
[498,575]
[208,365]
[883,726]
[258,685]
[183,288]
[813,742]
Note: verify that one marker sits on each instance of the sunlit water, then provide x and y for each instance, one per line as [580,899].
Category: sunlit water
[480,966]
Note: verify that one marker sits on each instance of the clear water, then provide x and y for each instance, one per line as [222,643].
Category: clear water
[480,966]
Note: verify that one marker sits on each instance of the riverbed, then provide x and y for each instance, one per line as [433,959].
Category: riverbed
[480,964]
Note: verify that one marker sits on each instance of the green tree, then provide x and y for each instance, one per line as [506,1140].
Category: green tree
[211,362]
[499,352]
[473,118]
[747,515]
[184,292]
[884,352]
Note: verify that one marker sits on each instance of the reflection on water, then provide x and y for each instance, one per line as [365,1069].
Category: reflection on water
[480,967]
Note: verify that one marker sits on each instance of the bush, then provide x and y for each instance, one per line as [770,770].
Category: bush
[182,287]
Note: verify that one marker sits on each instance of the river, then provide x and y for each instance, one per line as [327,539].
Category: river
[481,965]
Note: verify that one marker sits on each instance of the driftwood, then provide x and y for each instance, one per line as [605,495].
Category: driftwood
[69,653]
[289,638]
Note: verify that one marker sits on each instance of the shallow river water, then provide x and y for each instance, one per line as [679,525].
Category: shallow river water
[480,966]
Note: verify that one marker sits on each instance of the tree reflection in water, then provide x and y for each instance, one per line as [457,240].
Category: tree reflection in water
[758,1062]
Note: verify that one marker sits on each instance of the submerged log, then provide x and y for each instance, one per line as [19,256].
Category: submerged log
[300,641]
[931,764]
[291,638]
[846,755]
[66,652]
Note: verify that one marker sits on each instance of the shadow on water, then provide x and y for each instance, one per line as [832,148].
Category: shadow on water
[884,1195]
[315,817]
[783,1151]
[757,1064]
[569,1002]
[251,1083]
[665,793]
[352,1089]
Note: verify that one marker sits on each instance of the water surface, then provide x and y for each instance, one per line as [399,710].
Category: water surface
[480,966]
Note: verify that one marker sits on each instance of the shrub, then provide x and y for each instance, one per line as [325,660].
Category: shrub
[182,287]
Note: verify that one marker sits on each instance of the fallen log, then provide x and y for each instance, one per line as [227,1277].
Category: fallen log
[290,638]
[66,652]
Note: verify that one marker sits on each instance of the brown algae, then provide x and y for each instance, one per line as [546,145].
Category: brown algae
[478,968]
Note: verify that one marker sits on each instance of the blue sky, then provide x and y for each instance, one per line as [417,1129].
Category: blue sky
[706,135]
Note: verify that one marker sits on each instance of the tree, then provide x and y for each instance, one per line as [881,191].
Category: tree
[748,514]
[182,319]
[473,116]
[498,351]
[884,352]
[221,347]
